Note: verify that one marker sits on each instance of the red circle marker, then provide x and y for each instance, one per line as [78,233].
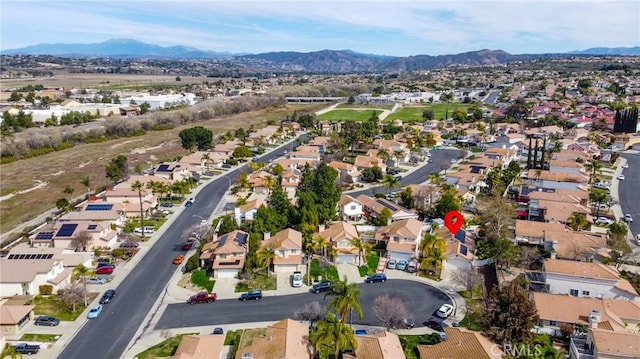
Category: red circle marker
[453,220]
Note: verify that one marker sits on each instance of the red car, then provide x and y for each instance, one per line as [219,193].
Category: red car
[187,245]
[104,270]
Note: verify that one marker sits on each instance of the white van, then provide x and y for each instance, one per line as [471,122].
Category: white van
[147,231]
[296,280]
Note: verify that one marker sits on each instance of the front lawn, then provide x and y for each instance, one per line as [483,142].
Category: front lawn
[410,343]
[42,338]
[233,338]
[259,281]
[323,270]
[247,336]
[200,278]
[165,348]
[473,318]
[53,307]
[373,258]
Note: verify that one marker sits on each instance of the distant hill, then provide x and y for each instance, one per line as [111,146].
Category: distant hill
[327,61]
[123,48]
[614,51]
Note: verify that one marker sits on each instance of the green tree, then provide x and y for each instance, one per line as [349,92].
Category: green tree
[198,137]
[321,186]
[144,108]
[509,314]
[577,221]
[406,198]
[363,247]
[447,202]
[503,250]
[265,257]
[594,167]
[138,186]
[332,336]
[390,182]
[117,169]
[428,115]
[10,351]
[86,181]
[344,299]
[63,204]
[459,115]
[242,152]
[83,272]
[433,249]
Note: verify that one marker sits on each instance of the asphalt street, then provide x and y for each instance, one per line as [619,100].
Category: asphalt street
[107,336]
[441,159]
[421,300]
[629,191]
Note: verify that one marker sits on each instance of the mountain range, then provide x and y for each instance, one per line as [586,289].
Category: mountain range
[334,61]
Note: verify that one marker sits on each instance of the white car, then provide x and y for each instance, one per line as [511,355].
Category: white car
[147,231]
[97,280]
[628,218]
[626,165]
[603,220]
[445,311]
[621,177]
[296,280]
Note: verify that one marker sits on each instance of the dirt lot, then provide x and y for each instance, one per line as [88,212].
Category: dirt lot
[41,179]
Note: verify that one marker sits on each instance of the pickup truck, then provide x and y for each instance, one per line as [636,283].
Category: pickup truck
[202,297]
[24,348]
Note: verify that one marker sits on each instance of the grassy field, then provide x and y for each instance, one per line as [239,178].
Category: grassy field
[348,115]
[260,281]
[410,343]
[365,105]
[202,280]
[413,114]
[50,306]
[43,338]
[56,170]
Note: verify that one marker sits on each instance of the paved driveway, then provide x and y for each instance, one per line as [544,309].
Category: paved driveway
[351,271]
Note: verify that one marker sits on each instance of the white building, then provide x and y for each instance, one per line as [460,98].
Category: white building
[161,101]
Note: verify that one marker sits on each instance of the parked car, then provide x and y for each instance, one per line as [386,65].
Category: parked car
[402,265]
[621,177]
[108,296]
[147,231]
[398,177]
[25,348]
[626,165]
[378,277]
[251,295]
[96,280]
[296,279]
[187,245]
[218,331]
[628,218]
[445,311]
[129,244]
[604,220]
[412,267]
[167,204]
[104,270]
[95,312]
[322,287]
[105,264]
[408,323]
[178,259]
[47,320]
[436,324]
[638,238]
[202,297]
[391,264]
[226,165]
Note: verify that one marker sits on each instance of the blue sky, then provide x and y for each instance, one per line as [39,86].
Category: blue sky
[390,27]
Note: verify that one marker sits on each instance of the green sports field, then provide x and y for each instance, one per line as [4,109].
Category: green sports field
[413,114]
[340,115]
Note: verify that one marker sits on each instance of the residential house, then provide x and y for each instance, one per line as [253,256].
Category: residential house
[566,166]
[226,148]
[560,211]
[173,170]
[402,237]
[13,318]
[347,173]
[575,246]
[261,182]
[68,234]
[129,111]
[533,232]
[268,135]
[424,196]
[515,137]
[200,347]
[460,248]
[397,151]
[382,345]
[226,254]
[290,180]
[24,274]
[130,199]
[586,279]
[322,142]
[555,310]
[285,339]
[247,211]
[505,155]
[462,343]
[605,344]
[361,162]
[340,236]
[197,161]
[287,246]
[349,209]
[306,153]
[374,206]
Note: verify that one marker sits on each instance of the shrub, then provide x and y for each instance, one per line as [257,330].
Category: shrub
[45,289]
[192,263]
[118,252]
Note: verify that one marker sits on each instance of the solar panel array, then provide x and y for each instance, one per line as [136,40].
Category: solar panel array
[99,207]
[92,226]
[463,250]
[230,263]
[163,168]
[241,238]
[44,235]
[461,235]
[67,230]
[30,256]
[387,204]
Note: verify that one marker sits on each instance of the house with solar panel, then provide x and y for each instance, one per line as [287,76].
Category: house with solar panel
[129,199]
[373,206]
[98,211]
[460,248]
[226,254]
[173,170]
[402,237]
[67,235]
[22,274]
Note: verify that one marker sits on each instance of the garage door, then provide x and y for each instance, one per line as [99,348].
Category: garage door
[285,268]
[636,146]
[346,258]
[399,255]
[227,273]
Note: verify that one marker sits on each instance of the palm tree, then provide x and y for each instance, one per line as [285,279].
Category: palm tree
[265,257]
[137,186]
[82,271]
[390,182]
[345,299]
[383,154]
[433,250]
[435,178]
[577,221]
[320,242]
[595,169]
[363,247]
[86,181]
[332,336]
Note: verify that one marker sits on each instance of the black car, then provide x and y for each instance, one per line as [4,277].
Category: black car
[131,244]
[167,204]
[105,264]
[108,296]
[218,331]
[378,277]
[322,287]
[47,320]
[251,295]
[436,324]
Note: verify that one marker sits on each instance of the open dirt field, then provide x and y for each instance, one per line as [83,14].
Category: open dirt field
[97,81]
[31,186]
